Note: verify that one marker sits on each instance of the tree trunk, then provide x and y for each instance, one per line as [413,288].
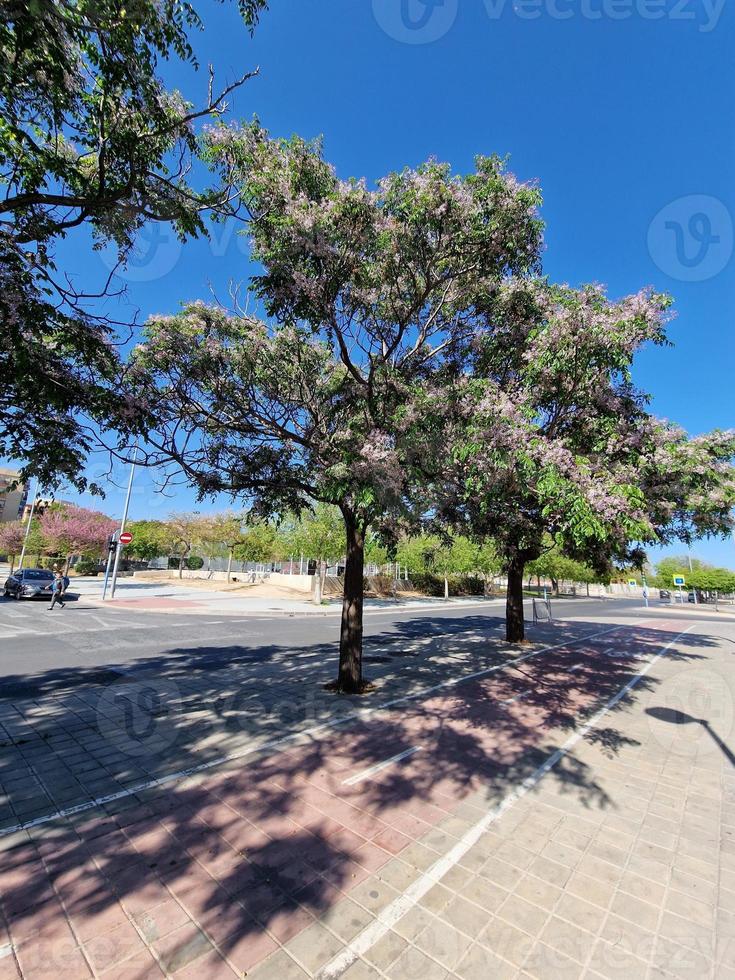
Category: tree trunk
[229,564]
[555,585]
[514,626]
[181,566]
[349,680]
[318,584]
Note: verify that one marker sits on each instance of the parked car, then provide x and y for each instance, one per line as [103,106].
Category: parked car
[664,595]
[29,583]
[692,597]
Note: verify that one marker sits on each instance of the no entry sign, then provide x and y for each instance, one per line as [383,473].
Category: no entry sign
[126,537]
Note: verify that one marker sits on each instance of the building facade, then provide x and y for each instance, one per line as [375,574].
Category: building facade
[12,500]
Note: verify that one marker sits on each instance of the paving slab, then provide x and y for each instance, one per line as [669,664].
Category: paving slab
[441,828]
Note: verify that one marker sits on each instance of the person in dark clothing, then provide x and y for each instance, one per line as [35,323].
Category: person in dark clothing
[57,591]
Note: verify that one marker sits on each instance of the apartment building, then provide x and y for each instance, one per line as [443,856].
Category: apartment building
[12,501]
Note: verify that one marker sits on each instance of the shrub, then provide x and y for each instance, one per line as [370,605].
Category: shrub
[194,563]
[87,566]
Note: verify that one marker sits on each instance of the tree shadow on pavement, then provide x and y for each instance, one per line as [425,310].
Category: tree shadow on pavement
[236,858]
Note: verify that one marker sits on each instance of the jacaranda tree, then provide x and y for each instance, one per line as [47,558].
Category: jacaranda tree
[547,439]
[367,295]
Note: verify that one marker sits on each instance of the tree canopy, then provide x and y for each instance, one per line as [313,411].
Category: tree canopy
[371,292]
[89,135]
[545,437]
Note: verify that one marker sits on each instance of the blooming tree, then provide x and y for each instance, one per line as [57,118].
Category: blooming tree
[549,440]
[12,536]
[70,530]
[367,290]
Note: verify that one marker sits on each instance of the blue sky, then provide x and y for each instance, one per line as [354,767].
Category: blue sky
[621,109]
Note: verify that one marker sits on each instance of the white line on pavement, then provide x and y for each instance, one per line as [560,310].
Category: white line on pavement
[294,736]
[367,773]
[516,697]
[416,891]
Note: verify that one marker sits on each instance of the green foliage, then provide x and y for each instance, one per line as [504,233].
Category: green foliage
[89,135]
[676,565]
[459,585]
[87,566]
[318,532]
[556,566]
[260,542]
[151,539]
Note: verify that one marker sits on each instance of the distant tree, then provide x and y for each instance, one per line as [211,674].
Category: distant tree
[185,532]
[709,579]
[317,532]
[677,565]
[151,539]
[434,555]
[68,530]
[12,536]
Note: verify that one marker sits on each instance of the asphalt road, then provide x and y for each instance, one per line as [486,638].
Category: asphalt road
[34,641]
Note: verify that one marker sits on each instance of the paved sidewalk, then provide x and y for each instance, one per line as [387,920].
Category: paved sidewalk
[461,822]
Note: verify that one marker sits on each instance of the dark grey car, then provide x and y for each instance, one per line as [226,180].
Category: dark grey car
[29,583]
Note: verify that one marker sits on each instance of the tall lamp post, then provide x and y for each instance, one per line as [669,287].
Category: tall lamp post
[28,527]
[119,544]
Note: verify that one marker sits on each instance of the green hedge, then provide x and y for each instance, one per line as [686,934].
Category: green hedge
[193,563]
[458,584]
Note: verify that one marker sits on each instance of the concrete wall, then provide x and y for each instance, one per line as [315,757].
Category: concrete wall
[302,583]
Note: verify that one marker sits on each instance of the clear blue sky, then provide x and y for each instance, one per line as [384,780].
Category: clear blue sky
[625,120]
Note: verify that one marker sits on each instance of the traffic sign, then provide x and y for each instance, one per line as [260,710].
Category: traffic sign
[679,580]
[632,581]
[126,537]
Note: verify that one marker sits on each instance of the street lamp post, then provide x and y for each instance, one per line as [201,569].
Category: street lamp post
[119,547]
[28,527]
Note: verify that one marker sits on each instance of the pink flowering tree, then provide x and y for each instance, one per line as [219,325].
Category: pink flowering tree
[366,291]
[547,443]
[12,536]
[69,530]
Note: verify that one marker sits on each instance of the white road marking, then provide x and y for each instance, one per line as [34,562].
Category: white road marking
[368,773]
[294,736]
[416,891]
[576,667]
[516,697]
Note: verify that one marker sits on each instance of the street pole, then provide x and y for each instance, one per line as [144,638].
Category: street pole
[111,548]
[118,549]
[28,528]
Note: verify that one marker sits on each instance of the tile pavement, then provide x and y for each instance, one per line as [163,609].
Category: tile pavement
[621,861]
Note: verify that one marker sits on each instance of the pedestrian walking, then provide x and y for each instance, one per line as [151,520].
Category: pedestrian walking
[57,591]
